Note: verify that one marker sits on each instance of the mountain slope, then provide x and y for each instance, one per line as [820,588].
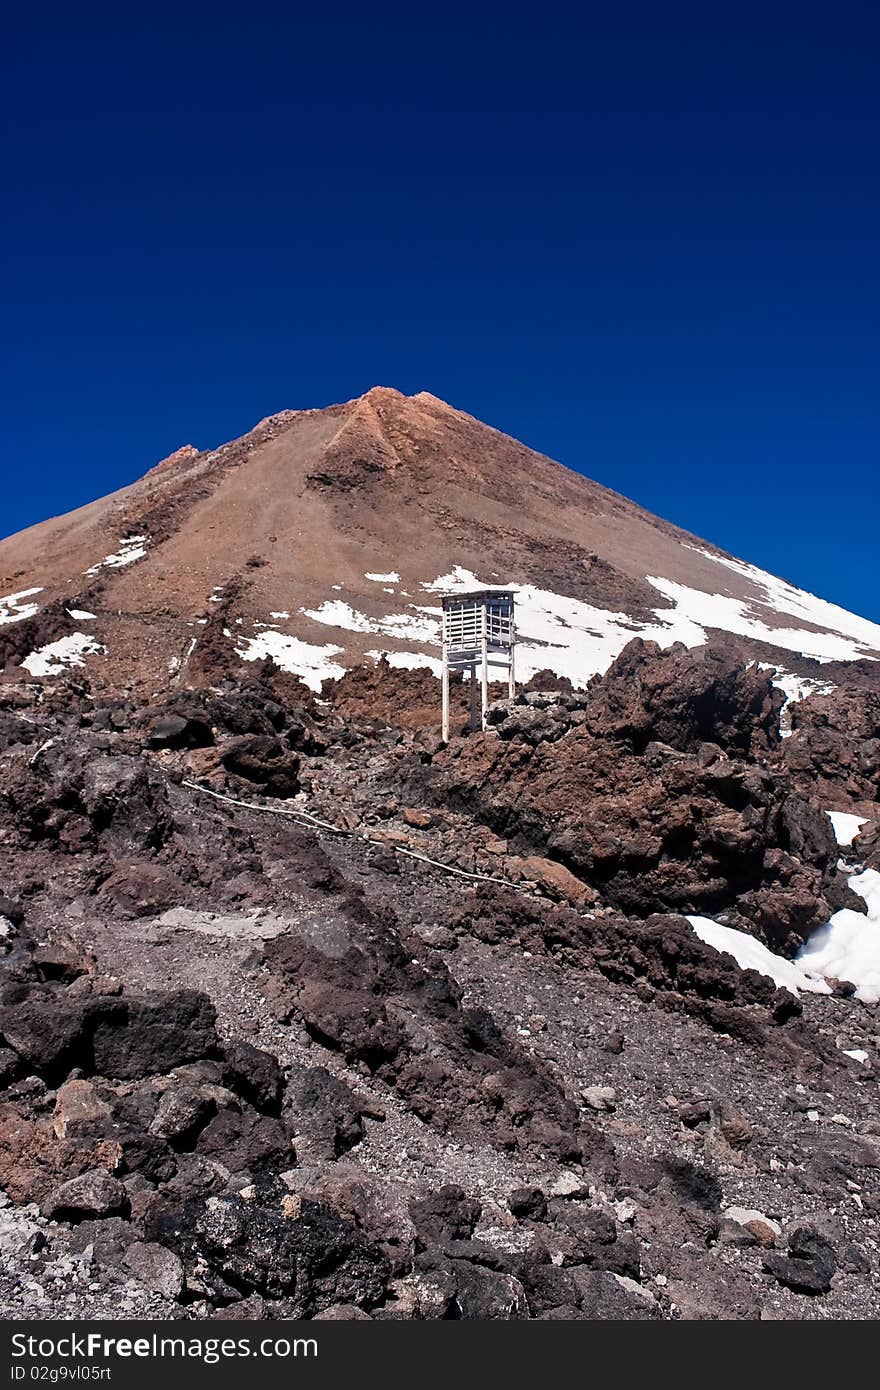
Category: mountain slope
[323,537]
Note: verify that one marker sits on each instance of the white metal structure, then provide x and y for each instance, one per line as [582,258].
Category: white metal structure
[478,631]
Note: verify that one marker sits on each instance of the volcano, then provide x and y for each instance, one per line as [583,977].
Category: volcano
[323,538]
[309,1012]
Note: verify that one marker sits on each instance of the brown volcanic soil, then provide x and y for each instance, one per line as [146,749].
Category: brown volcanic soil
[299,509]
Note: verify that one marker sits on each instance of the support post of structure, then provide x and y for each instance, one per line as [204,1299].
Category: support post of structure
[511,672]
[445,683]
[484,672]
[475,699]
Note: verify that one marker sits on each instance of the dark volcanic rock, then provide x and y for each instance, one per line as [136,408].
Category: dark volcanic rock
[447,1214]
[321,1114]
[810,1263]
[252,1073]
[277,1244]
[684,698]
[180,731]
[243,1140]
[834,748]
[680,825]
[454,1065]
[480,1022]
[137,1037]
[47,1031]
[528,1203]
[263,760]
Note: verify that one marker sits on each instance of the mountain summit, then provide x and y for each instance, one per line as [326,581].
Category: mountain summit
[323,538]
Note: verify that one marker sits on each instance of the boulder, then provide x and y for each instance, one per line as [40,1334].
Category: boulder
[263,761]
[321,1114]
[156,1267]
[79,1111]
[528,1204]
[47,1031]
[252,1073]
[182,1112]
[137,1037]
[447,1214]
[556,880]
[810,1263]
[180,731]
[92,1194]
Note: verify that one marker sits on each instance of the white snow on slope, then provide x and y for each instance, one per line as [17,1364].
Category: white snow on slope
[311,663]
[131,548]
[421,625]
[697,610]
[80,615]
[785,598]
[12,610]
[335,613]
[392,578]
[845,826]
[571,637]
[751,954]
[848,947]
[796,688]
[577,640]
[67,651]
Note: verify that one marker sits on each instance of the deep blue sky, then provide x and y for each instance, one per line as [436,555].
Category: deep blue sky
[643,239]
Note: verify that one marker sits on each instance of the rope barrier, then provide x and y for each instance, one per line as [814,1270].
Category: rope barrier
[356,834]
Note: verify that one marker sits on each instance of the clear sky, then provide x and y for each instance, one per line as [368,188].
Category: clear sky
[641,238]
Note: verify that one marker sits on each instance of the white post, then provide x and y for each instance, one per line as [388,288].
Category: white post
[445,684]
[484,674]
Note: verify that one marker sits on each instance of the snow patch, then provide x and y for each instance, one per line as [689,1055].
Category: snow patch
[80,615]
[696,610]
[335,613]
[782,597]
[794,688]
[310,662]
[577,640]
[409,661]
[407,626]
[751,954]
[846,827]
[392,578]
[131,548]
[12,610]
[566,635]
[858,1054]
[848,947]
[67,651]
